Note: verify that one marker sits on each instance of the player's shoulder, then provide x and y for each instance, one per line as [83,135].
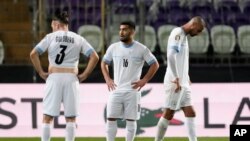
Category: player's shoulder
[177,31]
[139,45]
[113,45]
[73,34]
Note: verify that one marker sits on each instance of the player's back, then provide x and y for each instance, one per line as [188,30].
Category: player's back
[64,48]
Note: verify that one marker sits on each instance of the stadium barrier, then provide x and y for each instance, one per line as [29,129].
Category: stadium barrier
[217,105]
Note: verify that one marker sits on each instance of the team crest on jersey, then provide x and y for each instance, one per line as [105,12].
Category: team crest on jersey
[177,37]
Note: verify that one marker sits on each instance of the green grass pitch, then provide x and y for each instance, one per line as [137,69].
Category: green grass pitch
[119,139]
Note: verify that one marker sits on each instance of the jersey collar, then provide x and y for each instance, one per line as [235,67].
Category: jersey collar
[128,45]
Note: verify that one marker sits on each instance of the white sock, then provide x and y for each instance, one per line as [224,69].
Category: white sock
[191,128]
[131,127]
[70,131]
[111,129]
[45,132]
[161,129]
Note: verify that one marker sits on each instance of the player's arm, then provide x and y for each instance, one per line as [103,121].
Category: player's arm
[93,60]
[34,56]
[154,65]
[173,67]
[173,50]
[105,72]
[106,61]
[151,72]
[148,76]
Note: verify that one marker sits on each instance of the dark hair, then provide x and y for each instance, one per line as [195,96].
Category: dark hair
[61,16]
[130,24]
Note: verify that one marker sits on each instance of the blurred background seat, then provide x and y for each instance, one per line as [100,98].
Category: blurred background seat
[93,35]
[149,37]
[223,39]
[199,44]
[243,35]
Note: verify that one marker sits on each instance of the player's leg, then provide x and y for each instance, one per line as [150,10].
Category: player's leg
[71,105]
[171,99]
[189,114]
[46,127]
[190,123]
[163,123]
[131,127]
[70,129]
[51,105]
[111,129]
[132,111]
[114,111]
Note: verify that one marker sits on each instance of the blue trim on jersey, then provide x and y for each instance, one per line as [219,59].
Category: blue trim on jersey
[89,52]
[39,50]
[106,61]
[127,45]
[175,48]
[151,62]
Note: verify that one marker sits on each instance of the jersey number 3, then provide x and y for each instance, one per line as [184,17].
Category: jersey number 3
[60,56]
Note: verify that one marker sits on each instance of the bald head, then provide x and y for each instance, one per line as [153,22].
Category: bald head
[198,20]
[196,25]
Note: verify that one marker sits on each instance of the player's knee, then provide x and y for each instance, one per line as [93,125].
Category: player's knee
[168,114]
[70,119]
[47,119]
[193,114]
[190,114]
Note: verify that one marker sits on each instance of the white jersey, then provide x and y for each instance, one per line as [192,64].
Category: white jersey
[64,48]
[178,42]
[128,62]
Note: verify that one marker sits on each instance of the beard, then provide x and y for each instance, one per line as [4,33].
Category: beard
[124,39]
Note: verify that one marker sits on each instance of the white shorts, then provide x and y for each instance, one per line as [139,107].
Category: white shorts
[124,105]
[175,101]
[61,88]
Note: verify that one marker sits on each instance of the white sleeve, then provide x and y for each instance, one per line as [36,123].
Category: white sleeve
[43,45]
[149,57]
[86,48]
[107,58]
[174,47]
[172,62]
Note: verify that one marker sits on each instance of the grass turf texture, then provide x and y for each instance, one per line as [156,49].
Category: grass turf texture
[119,139]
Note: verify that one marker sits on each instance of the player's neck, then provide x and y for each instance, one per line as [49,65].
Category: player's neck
[62,28]
[185,28]
[129,42]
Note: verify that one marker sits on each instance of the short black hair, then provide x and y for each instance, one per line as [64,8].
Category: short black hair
[130,24]
[61,16]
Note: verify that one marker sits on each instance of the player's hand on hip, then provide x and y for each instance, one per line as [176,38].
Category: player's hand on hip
[111,85]
[44,75]
[139,84]
[82,77]
[178,86]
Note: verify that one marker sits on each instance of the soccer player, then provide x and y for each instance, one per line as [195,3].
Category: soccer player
[177,81]
[128,57]
[62,80]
